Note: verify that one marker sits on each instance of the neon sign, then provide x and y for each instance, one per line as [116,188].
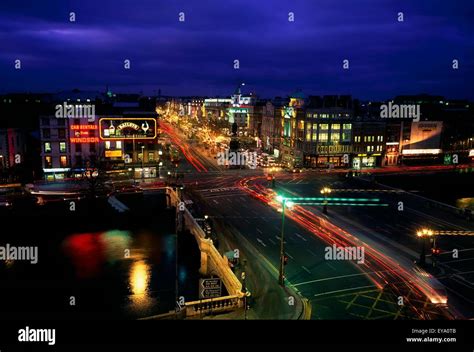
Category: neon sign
[84,139]
[124,128]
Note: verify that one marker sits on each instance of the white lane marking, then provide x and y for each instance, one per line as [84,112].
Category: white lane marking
[259,231]
[261,242]
[301,237]
[271,241]
[344,290]
[306,269]
[215,201]
[337,277]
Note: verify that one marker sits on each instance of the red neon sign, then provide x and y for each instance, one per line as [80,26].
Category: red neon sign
[85,140]
[83,127]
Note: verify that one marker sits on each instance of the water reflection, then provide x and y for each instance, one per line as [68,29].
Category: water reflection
[140,298]
[90,251]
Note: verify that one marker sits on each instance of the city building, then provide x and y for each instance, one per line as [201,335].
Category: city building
[326,131]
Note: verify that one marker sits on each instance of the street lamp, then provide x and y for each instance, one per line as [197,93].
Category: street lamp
[325,191]
[281,277]
[423,234]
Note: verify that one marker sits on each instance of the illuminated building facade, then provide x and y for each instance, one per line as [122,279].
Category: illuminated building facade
[326,131]
[67,145]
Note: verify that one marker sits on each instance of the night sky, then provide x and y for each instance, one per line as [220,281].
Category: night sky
[195,57]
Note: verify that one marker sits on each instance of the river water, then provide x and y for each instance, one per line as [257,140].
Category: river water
[96,263]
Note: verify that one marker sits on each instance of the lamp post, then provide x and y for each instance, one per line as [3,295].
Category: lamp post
[325,191]
[423,234]
[281,277]
[284,203]
[143,161]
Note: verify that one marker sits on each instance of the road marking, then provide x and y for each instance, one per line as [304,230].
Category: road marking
[306,269]
[344,290]
[336,277]
[299,236]
[215,201]
[261,242]
[271,241]
[259,231]
[311,252]
[288,254]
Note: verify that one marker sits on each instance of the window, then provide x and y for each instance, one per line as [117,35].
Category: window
[323,137]
[379,148]
[62,147]
[46,133]
[379,138]
[48,162]
[336,126]
[323,126]
[335,137]
[47,147]
[346,136]
[315,136]
[118,144]
[347,126]
[63,161]
[308,136]
[107,144]
[151,156]
[61,133]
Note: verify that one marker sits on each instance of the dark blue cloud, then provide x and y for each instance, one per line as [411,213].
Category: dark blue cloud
[276,56]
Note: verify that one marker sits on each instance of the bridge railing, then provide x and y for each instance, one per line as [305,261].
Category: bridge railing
[212,262]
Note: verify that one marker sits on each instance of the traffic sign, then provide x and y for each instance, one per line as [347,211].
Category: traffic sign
[210,288]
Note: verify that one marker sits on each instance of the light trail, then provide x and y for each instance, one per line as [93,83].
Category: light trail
[381,269]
